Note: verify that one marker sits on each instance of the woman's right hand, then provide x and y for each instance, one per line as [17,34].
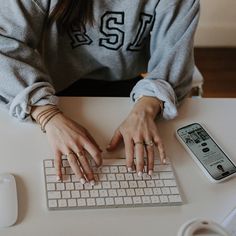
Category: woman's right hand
[66,137]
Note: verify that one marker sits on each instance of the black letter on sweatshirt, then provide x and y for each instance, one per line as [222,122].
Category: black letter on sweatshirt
[79,36]
[145,21]
[109,27]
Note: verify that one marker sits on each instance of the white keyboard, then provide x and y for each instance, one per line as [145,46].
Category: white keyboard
[115,187]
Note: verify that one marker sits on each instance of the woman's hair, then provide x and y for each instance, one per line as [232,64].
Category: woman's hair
[68,12]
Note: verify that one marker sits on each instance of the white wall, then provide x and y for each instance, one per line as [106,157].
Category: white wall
[217,26]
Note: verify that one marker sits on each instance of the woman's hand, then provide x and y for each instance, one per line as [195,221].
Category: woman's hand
[140,134]
[66,137]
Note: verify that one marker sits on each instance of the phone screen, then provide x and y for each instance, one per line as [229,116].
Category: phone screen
[207,151]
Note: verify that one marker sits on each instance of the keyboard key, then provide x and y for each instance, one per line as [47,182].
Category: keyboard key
[81,202]
[128,200]
[165,191]
[133,184]
[155,199]
[71,202]
[60,186]
[62,203]
[169,182]
[51,187]
[94,193]
[103,193]
[174,190]
[164,199]
[175,198]
[115,184]
[106,185]
[146,199]
[48,163]
[75,194]
[137,200]
[148,191]
[130,192]
[54,195]
[50,171]
[100,201]
[52,203]
[119,200]
[65,194]
[84,193]
[120,177]
[112,193]
[109,201]
[91,202]
[70,186]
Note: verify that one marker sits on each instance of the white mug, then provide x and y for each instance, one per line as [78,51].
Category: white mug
[192,226]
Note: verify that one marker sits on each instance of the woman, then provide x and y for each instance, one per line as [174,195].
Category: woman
[46,46]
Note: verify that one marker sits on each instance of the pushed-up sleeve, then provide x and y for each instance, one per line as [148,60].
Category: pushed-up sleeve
[24,81]
[171,63]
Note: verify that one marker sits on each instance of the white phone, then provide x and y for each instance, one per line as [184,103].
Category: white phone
[206,152]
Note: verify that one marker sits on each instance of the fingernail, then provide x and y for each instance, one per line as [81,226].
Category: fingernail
[82,181]
[164,161]
[140,173]
[150,172]
[108,146]
[92,182]
[130,169]
[58,178]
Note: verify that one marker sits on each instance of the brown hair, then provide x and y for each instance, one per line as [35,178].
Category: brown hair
[67,12]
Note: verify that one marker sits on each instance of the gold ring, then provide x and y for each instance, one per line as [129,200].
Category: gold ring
[149,143]
[69,153]
[79,154]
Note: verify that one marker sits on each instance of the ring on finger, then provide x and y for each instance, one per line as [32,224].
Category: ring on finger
[68,154]
[149,143]
[139,142]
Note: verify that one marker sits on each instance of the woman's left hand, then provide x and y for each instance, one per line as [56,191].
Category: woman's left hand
[140,134]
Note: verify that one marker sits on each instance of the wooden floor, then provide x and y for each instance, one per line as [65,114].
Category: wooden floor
[218,66]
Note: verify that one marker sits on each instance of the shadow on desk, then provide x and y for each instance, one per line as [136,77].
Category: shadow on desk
[23,198]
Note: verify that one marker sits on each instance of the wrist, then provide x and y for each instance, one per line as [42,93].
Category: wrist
[149,105]
[44,114]
[36,110]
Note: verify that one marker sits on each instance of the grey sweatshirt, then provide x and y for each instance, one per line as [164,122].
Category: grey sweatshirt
[128,37]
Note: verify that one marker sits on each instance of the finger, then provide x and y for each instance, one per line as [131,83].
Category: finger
[72,159]
[139,154]
[93,151]
[58,165]
[116,139]
[161,149]
[129,153]
[84,164]
[150,159]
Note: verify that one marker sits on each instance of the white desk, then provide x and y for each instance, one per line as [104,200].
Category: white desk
[23,147]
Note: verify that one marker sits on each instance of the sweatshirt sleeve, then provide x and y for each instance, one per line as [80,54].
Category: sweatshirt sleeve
[171,63]
[24,81]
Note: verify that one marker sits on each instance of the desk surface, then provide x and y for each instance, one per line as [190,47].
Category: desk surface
[23,147]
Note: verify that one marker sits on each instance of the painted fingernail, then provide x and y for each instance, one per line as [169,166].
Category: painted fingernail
[82,181]
[130,169]
[150,172]
[92,182]
[58,178]
[140,173]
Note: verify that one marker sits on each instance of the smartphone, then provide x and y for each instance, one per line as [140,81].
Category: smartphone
[206,152]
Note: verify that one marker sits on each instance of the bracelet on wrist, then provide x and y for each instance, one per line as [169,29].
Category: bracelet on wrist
[45,116]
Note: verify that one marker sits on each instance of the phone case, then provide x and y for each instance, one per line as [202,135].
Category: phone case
[196,159]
